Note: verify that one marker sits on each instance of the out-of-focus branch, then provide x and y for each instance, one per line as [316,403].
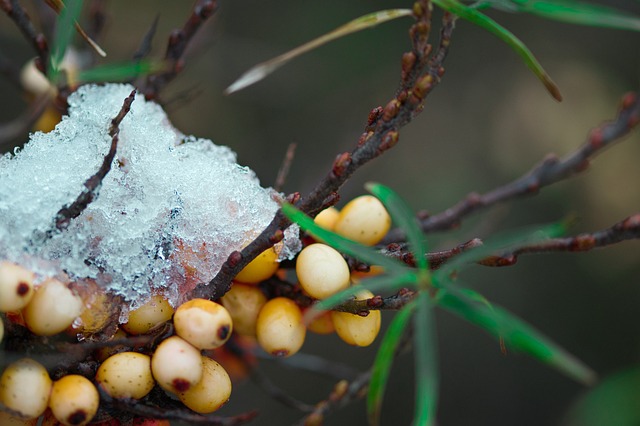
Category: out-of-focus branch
[16,12]
[178,42]
[549,171]
[420,74]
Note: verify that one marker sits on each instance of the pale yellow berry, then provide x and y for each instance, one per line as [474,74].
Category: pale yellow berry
[98,307]
[126,375]
[211,392]
[260,268]
[176,365]
[279,328]
[244,303]
[149,316]
[24,388]
[203,323]
[322,271]
[327,218]
[16,286]
[74,400]
[355,329]
[34,81]
[52,308]
[364,219]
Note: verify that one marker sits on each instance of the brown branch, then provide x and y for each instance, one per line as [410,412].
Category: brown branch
[16,12]
[178,42]
[549,171]
[283,172]
[420,74]
[93,184]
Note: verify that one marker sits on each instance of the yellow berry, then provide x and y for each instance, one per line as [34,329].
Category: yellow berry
[279,328]
[322,324]
[260,268]
[176,365]
[355,329]
[74,400]
[16,286]
[126,375]
[244,303]
[24,388]
[149,316]
[203,323]
[322,271]
[327,218]
[52,308]
[364,219]
[98,307]
[211,392]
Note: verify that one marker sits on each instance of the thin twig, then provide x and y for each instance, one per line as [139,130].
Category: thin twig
[178,42]
[93,184]
[283,172]
[16,12]
[549,171]
[420,74]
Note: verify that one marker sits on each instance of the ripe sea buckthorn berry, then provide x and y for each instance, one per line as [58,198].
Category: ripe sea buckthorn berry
[244,302]
[126,375]
[364,219]
[322,271]
[280,329]
[355,329]
[327,218]
[16,286]
[211,392]
[322,324]
[24,388]
[260,268]
[74,400]
[98,308]
[203,323]
[52,308]
[152,314]
[176,365]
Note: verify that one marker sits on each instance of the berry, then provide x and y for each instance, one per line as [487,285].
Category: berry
[280,329]
[25,387]
[327,218]
[244,302]
[364,219]
[355,329]
[126,375]
[322,271]
[176,365]
[203,323]
[211,392]
[260,268]
[16,286]
[149,316]
[74,400]
[52,308]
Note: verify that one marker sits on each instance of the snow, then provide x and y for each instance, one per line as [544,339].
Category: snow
[168,214]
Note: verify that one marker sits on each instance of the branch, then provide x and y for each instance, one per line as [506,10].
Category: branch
[93,184]
[178,42]
[15,11]
[420,74]
[549,171]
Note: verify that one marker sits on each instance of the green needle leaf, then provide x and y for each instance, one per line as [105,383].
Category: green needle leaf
[403,216]
[119,72]
[384,359]
[516,334]
[64,29]
[478,18]
[342,244]
[263,69]
[426,362]
[573,12]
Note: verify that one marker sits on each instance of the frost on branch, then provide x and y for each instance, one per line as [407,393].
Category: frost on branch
[169,213]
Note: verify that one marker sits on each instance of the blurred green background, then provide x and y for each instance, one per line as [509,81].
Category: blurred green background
[488,122]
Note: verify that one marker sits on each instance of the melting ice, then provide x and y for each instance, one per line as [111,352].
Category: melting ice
[168,214]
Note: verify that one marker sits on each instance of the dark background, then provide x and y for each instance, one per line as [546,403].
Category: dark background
[488,122]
